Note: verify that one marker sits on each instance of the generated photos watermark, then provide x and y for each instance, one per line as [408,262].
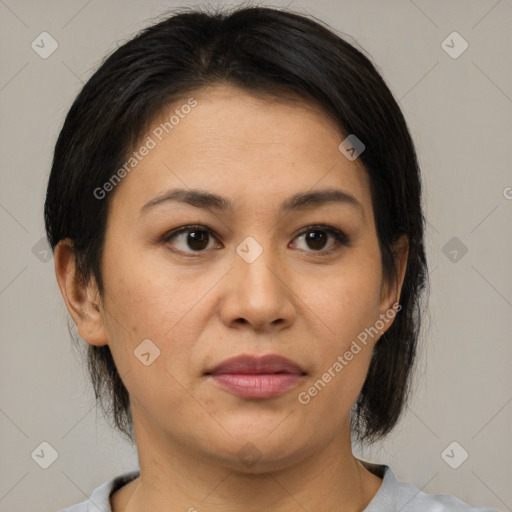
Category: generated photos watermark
[304,397]
[151,141]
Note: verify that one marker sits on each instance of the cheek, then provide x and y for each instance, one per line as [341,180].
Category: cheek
[144,304]
[348,301]
[348,304]
[150,299]
[151,337]
[328,399]
[343,355]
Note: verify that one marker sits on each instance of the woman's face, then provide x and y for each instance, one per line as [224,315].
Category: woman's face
[253,276]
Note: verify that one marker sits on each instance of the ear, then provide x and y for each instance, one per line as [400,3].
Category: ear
[82,300]
[390,291]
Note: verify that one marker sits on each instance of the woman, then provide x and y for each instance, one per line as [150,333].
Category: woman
[234,209]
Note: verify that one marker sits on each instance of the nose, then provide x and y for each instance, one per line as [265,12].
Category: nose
[258,294]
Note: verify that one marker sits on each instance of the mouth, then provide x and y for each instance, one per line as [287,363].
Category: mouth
[257,377]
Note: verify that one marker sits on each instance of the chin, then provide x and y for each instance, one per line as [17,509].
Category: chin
[252,452]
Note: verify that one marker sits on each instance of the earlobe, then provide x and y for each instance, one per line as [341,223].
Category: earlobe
[82,300]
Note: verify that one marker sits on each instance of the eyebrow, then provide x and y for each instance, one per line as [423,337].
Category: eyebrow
[209,201]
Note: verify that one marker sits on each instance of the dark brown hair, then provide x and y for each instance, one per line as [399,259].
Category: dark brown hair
[267,52]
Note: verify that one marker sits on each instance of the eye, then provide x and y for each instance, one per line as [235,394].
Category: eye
[317,238]
[190,239]
[197,238]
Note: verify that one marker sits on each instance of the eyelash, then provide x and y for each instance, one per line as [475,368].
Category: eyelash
[340,237]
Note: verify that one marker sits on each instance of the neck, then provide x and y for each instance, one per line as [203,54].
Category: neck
[173,477]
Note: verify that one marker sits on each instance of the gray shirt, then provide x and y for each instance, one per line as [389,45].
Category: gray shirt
[392,496]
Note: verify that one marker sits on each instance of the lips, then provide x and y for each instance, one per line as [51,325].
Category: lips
[253,377]
[252,365]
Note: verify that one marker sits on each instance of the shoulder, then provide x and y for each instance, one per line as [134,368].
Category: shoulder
[396,496]
[99,501]
[411,499]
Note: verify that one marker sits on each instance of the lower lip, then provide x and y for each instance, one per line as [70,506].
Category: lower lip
[257,385]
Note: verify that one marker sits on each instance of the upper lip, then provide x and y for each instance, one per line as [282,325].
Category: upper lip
[249,364]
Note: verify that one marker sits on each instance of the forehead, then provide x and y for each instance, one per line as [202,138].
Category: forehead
[241,145]
[228,119]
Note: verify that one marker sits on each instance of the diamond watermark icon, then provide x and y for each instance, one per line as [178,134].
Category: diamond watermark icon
[249,250]
[44,45]
[454,455]
[146,352]
[42,251]
[249,454]
[454,249]
[351,147]
[45,455]
[454,45]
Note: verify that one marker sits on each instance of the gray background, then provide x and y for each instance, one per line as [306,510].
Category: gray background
[459,112]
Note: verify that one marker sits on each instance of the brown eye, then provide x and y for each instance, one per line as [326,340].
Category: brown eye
[189,239]
[316,239]
[197,240]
